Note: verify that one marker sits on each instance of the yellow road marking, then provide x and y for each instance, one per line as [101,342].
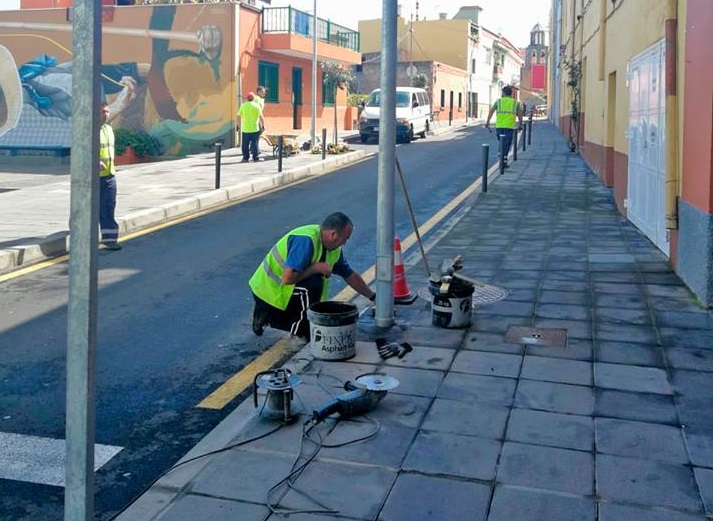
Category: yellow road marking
[34,267]
[244,378]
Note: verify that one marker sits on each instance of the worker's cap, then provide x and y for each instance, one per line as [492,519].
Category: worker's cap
[250,96]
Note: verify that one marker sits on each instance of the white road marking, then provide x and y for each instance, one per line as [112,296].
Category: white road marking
[41,460]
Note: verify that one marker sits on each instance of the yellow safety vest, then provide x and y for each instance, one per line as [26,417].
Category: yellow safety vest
[507,112]
[106,150]
[266,282]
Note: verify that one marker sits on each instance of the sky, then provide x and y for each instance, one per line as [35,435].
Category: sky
[513,18]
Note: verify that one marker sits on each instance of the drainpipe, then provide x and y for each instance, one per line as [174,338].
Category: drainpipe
[671,137]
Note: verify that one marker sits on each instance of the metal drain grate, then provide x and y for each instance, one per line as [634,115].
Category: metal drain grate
[485,294]
[536,336]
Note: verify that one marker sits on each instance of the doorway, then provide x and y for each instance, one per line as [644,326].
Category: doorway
[296,98]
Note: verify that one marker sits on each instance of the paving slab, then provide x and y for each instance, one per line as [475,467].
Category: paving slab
[520,504]
[641,440]
[551,429]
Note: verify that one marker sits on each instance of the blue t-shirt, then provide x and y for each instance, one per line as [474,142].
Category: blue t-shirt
[299,256]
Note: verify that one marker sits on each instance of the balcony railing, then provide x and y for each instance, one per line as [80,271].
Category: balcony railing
[293,21]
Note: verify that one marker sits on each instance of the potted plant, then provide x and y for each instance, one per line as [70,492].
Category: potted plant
[133,146]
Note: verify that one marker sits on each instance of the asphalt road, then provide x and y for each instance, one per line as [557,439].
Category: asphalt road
[174,318]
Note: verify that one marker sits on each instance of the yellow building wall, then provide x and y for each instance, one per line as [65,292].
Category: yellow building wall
[370,35]
[445,41]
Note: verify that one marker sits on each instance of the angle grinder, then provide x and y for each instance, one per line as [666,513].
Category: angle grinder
[363,394]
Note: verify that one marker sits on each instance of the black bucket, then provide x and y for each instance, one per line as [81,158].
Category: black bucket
[333,328]
[454,308]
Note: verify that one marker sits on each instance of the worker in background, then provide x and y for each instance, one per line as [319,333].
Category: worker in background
[509,112]
[295,274]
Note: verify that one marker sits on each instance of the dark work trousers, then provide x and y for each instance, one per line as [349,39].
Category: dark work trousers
[294,317]
[249,145]
[107,204]
[506,134]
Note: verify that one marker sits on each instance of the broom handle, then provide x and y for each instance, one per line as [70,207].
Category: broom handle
[413,219]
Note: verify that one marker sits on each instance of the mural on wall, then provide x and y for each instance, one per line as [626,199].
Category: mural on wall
[163,72]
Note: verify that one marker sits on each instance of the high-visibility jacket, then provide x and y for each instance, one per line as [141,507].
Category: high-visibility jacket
[106,150]
[266,282]
[506,108]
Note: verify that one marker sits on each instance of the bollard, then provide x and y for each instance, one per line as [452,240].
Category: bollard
[280,144]
[450,117]
[218,147]
[486,152]
[524,135]
[324,143]
[501,159]
[529,131]
[514,144]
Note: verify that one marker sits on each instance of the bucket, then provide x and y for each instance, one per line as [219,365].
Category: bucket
[333,327]
[454,308]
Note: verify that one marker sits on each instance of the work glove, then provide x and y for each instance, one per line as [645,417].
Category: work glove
[390,349]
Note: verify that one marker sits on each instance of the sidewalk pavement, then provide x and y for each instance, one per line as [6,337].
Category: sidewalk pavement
[34,201]
[583,395]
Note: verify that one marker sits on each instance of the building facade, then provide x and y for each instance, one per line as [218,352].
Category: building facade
[533,79]
[188,65]
[632,88]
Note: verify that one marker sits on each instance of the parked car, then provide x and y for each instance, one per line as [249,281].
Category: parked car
[540,111]
[413,114]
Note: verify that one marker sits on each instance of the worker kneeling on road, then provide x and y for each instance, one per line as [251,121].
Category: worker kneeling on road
[295,274]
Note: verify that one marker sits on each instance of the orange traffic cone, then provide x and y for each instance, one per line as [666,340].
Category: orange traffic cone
[401,293]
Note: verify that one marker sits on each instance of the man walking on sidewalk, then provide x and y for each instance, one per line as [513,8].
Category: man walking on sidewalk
[251,122]
[508,110]
[107,183]
[295,274]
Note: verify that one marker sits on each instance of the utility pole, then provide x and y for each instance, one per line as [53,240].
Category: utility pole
[384,317]
[410,52]
[83,225]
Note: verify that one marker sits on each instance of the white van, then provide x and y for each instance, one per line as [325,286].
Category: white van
[413,114]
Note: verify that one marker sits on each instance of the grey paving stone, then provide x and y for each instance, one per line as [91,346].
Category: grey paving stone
[548,396]
[453,454]
[688,358]
[667,290]
[507,308]
[192,507]
[624,278]
[404,410]
[387,448]
[427,498]
[620,300]
[553,429]
[549,284]
[613,512]
[496,345]
[694,397]
[631,378]
[497,324]
[646,482]
[628,353]
[622,316]
[557,370]
[522,295]
[659,304]
[220,478]
[640,440]
[611,287]
[473,419]
[517,504]
[625,333]
[683,319]
[434,337]
[546,468]
[576,349]
[704,478]
[562,312]
[569,276]
[574,298]
[492,364]
[684,337]
[326,483]
[656,408]
[477,388]
[700,448]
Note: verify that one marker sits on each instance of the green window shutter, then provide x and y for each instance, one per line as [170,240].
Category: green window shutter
[268,75]
[327,92]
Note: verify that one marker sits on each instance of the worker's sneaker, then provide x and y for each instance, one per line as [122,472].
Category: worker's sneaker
[244,160]
[111,245]
[258,160]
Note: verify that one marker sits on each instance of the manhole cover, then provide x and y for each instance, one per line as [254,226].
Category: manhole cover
[536,336]
[485,294]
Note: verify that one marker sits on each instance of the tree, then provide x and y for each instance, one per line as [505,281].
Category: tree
[336,76]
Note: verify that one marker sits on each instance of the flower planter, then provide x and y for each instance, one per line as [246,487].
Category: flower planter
[129,157]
